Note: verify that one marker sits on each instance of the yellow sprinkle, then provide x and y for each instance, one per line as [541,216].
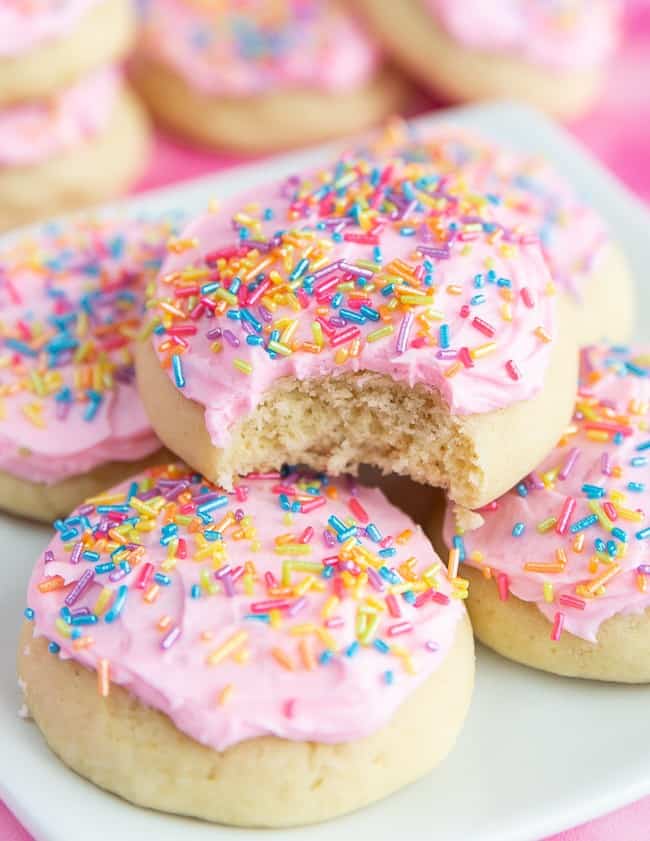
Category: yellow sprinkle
[381,333]
[228,647]
[548,592]
[243,366]
[62,627]
[103,600]
[225,694]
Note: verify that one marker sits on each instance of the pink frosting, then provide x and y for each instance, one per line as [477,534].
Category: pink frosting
[461,304]
[559,34]
[25,24]
[33,132]
[599,470]
[71,300]
[524,192]
[334,613]
[244,48]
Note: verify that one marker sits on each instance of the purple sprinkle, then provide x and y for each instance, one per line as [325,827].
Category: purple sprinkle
[230,337]
[86,509]
[80,611]
[48,556]
[239,515]
[447,354]
[176,490]
[75,555]
[349,267]
[430,645]
[534,482]
[432,251]
[170,638]
[404,332]
[213,334]
[209,496]
[569,463]
[117,574]
[265,314]
[297,606]
[605,466]
[80,587]
[62,409]
[223,571]
[644,569]
[375,579]
[328,538]
[327,269]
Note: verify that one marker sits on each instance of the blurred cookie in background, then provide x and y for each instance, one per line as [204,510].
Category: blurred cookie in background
[255,76]
[549,53]
[71,133]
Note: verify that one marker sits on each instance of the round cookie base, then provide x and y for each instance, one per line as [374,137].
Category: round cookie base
[519,631]
[460,73]
[45,503]
[267,122]
[136,752]
[93,172]
[103,35]
[338,423]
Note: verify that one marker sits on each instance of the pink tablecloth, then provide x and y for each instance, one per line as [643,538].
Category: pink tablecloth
[617,132]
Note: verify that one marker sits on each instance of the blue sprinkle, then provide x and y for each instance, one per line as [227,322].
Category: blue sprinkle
[177,365]
[478,281]
[195,591]
[90,556]
[619,534]
[84,619]
[638,461]
[206,507]
[443,336]
[637,487]
[369,312]
[381,646]
[352,649]
[325,657]
[327,572]
[109,566]
[593,491]
[389,552]
[258,617]
[388,677]
[351,316]
[212,535]
[477,299]
[612,549]
[373,532]
[118,604]
[161,578]
[599,545]
[522,490]
[518,529]
[580,525]
[409,596]
[643,534]
[641,447]
[29,613]
[504,282]
[54,648]
[337,524]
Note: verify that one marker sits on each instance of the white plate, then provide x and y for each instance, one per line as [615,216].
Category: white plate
[538,753]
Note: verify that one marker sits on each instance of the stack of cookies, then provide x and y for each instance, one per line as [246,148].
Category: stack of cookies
[250,635]
[70,132]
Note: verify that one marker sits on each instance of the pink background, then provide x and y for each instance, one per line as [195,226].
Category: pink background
[617,132]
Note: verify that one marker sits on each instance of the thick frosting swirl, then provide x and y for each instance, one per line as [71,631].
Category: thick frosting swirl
[244,48]
[71,302]
[385,266]
[573,536]
[559,34]
[296,606]
[25,24]
[33,132]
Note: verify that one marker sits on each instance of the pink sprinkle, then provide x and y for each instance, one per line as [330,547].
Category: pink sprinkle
[307,535]
[565,515]
[358,510]
[439,598]
[170,637]
[241,492]
[513,370]
[387,542]
[528,297]
[465,357]
[422,598]
[483,327]
[605,466]
[289,708]
[503,586]
[144,576]
[334,622]
[393,606]
[400,628]
[611,512]
[270,580]
[558,624]
[569,463]
[464,311]
[572,601]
